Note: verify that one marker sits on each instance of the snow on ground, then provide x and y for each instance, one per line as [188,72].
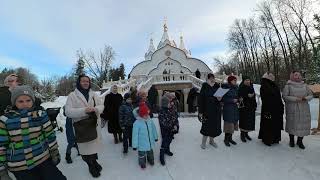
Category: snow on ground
[248,161]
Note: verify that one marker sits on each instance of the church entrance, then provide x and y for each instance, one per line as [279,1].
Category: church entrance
[180,97]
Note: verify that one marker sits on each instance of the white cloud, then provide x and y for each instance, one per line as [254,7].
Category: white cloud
[65,26]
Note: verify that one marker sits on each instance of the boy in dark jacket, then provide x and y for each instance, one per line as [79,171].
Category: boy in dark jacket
[126,120]
[168,126]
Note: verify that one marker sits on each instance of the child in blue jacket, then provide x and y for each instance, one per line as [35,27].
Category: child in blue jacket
[144,136]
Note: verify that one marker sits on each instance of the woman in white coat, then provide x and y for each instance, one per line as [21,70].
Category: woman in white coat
[81,102]
[296,95]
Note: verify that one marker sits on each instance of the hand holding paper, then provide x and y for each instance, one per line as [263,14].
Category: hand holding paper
[220,92]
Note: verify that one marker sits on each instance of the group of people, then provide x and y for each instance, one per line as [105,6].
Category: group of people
[28,146]
[238,106]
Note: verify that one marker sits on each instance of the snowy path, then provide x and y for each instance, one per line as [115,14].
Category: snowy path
[249,161]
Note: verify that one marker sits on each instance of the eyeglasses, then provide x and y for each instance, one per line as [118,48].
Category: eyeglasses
[26,101]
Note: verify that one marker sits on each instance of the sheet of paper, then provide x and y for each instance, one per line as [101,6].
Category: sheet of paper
[220,92]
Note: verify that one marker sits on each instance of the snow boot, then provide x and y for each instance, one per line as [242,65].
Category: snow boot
[212,143]
[68,158]
[168,152]
[300,143]
[162,161]
[92,168]
[247,136]
[204,142]
[243,136]
[232,141]
[97,166]
[291,140]
[226,139]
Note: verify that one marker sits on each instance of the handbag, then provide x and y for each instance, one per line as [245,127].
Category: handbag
[86,129]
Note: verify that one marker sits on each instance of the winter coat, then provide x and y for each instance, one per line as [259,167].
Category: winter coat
[27,139]
[210,107]
[298,117]
[5,96]
[272,111]
[152,96]
[192,100]
[247,112]
[75,109]
[167,120]
[230,108]
[144,134]
[112,104]
[126,117]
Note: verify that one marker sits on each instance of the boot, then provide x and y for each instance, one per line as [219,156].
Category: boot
[92,169]
[226,139]
[116,140]
[212,143]
[232,141]
[168,152]
[162,161]
[204,142]
[97,166]
[120,137]
[68,158]
[243,136]
[300,143]
[291,140]
[247,136]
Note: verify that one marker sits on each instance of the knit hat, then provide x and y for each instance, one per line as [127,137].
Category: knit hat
[165,101]
[21,90]
[143,109]
[126,96]
[231,78]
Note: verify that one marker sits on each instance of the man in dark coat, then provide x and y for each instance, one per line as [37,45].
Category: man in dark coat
[209,111]
[112,103]
[271,111]
[248,106]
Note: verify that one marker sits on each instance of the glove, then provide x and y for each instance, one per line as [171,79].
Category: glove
[134,149]
[55,156]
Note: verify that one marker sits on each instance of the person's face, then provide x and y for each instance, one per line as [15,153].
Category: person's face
[13,82]
[144,96]
[24,102]
[212,80]
[85,82]
[247,82]
[129,100]
[297,76]
[234,82]
[115,89]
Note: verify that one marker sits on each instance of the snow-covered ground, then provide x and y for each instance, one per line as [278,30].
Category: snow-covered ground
[250,161]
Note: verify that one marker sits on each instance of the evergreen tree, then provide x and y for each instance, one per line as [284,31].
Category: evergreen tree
[79,66]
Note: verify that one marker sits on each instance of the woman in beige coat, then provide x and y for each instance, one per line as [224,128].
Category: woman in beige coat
[296,95]
[80,103]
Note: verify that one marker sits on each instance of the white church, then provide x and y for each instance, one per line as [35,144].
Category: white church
[169,67]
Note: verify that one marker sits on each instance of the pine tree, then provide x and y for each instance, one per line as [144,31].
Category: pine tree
[314,71]
[79,66]
[122,71]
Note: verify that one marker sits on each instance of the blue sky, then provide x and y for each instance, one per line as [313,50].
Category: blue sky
[45,35]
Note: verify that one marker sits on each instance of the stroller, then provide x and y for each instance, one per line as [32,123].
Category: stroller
[52,114]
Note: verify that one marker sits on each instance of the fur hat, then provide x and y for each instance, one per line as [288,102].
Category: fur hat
[21,90]
[143,109]
[231,78]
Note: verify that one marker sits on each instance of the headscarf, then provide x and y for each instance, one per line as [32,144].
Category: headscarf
[85,92]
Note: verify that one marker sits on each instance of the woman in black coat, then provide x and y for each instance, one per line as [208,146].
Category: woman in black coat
[112,104]
[248,107]
[209,111]
[191,101]
[271,111]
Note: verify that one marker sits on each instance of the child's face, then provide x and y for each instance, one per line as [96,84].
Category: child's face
[24,102]
[129,100]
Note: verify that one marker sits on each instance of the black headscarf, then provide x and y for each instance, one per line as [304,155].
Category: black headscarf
[248,88]
[85,92]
